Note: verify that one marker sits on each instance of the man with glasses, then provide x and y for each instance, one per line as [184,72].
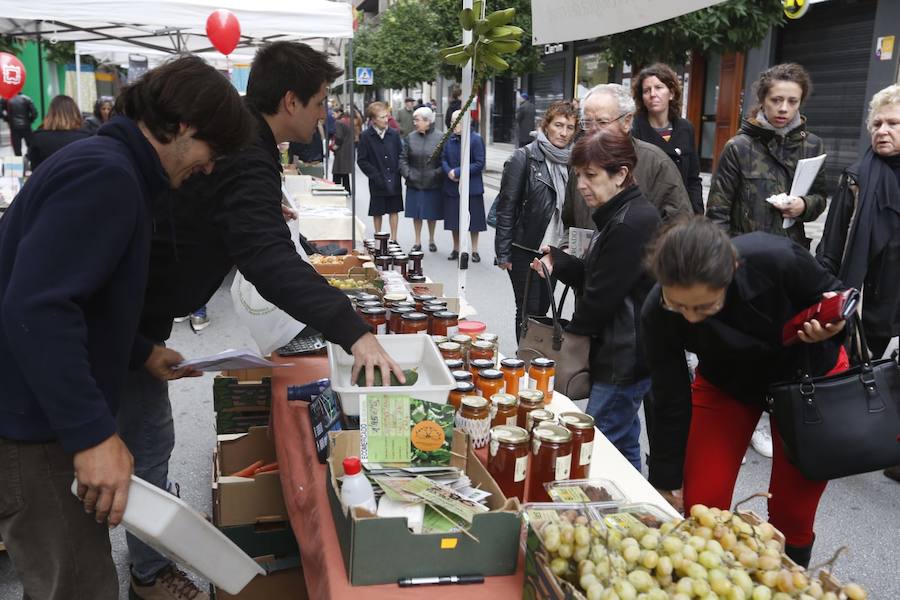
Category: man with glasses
[611,105]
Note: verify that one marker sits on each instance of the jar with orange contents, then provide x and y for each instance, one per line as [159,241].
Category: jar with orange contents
[477,365]
[420,300]
[551,459]
[464,341]
[481,349]
[463,388]
[450,350]
[493,338]
[503,409]
[582,428]
[430,310]
[529,400]
[542,376]
[376,318]
[474,419]
[514,375]
[489,382]
[444,322]
[414,323]
[508,459]
[395,322]
[538,417]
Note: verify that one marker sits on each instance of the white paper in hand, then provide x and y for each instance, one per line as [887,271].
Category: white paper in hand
[229,359]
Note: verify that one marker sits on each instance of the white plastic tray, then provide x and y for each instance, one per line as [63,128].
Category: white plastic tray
[411,351]
[181,533]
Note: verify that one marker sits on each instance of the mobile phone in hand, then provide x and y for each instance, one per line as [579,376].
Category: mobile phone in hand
[830,310]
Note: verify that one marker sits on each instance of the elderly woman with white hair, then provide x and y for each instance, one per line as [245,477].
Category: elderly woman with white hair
[424,177]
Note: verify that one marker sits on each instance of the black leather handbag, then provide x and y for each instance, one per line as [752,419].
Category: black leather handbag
[844,424]
[543,336]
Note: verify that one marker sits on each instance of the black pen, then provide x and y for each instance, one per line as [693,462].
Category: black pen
[446,580]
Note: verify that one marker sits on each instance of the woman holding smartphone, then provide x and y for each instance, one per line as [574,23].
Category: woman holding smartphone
[727,300]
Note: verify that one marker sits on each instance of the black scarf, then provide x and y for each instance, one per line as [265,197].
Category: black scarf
[879,191]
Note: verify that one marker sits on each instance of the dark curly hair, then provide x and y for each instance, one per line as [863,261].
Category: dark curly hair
[562,108]
[784,72]
[282,67]
[669,78]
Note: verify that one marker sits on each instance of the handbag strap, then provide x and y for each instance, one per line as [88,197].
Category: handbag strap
[557,327]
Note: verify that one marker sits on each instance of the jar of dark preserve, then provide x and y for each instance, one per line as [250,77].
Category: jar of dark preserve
[416,257]
[383,237]
[508,459]
[582,428]
[503,409]
[383,262]
[414,322]
[551,459]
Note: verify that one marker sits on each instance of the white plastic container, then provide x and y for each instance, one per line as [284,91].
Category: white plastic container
[411,351]
[355,487]
[181,533]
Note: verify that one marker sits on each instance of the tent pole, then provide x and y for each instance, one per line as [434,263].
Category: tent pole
[464,177]
[78,79]
[41,70]
[350,71]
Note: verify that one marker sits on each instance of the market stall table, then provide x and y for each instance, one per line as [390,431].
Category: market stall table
[304,482]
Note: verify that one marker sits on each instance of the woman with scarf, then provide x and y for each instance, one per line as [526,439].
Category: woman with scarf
[611,284]
[861,242]
[749,188]
[532,193]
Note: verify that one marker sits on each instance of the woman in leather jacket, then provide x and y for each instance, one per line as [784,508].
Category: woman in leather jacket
[529,205]
[424,176]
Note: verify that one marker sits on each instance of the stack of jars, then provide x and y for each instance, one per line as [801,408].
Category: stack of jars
[373,312]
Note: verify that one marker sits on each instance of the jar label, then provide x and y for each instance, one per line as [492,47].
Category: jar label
[550,386]
[521,468]
[563,466]
[535,445]
[495,446]
[452,330]
[381,329]
[523,382]
[587,450]
[511,420]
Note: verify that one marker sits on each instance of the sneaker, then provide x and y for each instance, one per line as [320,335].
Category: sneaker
[170,584]
[199,320]
[761,441]
[182,319]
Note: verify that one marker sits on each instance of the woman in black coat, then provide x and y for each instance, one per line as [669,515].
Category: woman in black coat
[611,284]
[657,96]
[379,158]
[61,127]
[727,300]
[529,205]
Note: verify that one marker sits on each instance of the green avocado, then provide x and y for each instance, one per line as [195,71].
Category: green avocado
[411,377]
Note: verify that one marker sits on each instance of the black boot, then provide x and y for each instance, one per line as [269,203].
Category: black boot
[799,554]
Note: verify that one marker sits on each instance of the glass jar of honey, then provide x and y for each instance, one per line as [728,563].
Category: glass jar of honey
[395,323]
[514,375]
[479,364]
[450,350]
[480,349]
[582,428]
[463,388]
[376,318]
[489,382]
[474,419]
[503,409]
[414,322]
[508,459]
[551,459]
[462,375]
[420,300]
[537,417]
[529,400]
[542,376]
[444,323]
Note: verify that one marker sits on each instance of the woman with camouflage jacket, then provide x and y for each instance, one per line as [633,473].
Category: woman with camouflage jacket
[759,162]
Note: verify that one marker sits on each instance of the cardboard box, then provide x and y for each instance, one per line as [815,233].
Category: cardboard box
[275,538]
[242,398]
[245,500]
[378,550]
[343,266]
[283,581]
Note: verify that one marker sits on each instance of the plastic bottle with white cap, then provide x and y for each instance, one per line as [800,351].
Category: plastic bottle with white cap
[355,488]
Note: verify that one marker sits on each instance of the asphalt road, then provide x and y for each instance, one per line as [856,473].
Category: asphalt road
[862,512]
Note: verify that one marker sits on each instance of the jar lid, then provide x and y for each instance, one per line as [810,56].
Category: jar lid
[548,432]
[481,363]
[400,256]
[382,235]
[383,257]
[461,339]
[543,362]
[578,420]
[432,309]
[512,363]
[531,396]
[479,402]
[488,337]
[449,347]
[364,297]
[541,414]
[446,315]
[503,399]
[402,310]
[482,345]
[489,373]
[370,241]
[374,310]
[455,364]
[510,434]
[435,301]
[422,298]
[472,327]
[462,375]
[394,297]
[368,304]
[464,386]
[439,339]
[416,254]
[402,304]
[414,316]
[416,279]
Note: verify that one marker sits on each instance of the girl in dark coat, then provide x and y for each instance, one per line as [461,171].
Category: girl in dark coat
[379,158]
[450,163]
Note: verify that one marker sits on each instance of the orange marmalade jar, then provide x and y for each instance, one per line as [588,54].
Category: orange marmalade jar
[414,323]
[529,400]
[504,409]
[514,375]
[489,382]
[478,365]
[463,388]
[450,350]
[481,349]
[542,376]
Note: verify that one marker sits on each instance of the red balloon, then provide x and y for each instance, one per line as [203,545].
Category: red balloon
[223,30]
[12,75]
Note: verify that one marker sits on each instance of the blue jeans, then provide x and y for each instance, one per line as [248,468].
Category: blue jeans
[145,425]
[615,411]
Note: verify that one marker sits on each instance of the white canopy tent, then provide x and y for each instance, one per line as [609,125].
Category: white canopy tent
[556,21]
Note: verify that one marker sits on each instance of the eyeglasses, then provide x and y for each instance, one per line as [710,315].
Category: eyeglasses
[588,124]
[706,310]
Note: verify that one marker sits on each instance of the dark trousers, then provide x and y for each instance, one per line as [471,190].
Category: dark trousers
[343,179]
[59,551]
[538,297]
[16,136]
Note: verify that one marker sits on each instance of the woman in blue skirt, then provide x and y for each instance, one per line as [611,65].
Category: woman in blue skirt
[424,176]
[450,161]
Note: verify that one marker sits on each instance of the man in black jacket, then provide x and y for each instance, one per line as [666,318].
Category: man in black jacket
[233,217]
[524,120]
[74,250]
[20,112]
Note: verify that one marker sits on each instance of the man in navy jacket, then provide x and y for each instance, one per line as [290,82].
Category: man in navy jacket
[74,255]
